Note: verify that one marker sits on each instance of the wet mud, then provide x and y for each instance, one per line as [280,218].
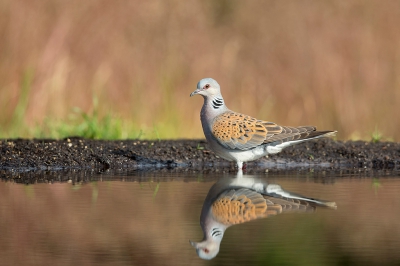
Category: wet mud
[22,155]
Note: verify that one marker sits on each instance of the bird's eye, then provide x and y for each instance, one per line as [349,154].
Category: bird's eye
[207,86]
[206,251]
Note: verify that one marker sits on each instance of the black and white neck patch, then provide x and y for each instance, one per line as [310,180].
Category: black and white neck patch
[217,103]
[216,233]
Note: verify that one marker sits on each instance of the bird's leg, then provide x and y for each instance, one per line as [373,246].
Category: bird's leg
[241,166]
[239,173]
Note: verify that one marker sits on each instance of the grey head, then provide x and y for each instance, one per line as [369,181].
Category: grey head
[207,87]
[207,249]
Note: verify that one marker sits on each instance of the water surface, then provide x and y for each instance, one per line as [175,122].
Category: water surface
[149,220]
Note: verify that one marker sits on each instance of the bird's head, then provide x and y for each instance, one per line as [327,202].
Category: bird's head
[207,87]
[206,249]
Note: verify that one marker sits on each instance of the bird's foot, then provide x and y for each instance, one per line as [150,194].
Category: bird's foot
[241,166]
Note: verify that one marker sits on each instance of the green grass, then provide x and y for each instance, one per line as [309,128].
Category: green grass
[20,109]
[376,136]
[94,124]
[91,124]
[16,127]
[87,125]
[199,147]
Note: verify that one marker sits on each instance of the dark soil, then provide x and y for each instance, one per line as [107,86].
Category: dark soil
[21,155]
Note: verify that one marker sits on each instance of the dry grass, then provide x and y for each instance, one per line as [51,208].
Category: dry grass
[333,64]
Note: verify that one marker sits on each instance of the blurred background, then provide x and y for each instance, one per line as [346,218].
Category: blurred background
[125,69]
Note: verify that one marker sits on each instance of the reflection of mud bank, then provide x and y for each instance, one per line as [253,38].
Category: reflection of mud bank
[81,154]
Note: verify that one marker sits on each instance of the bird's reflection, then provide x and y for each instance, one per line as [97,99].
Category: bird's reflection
[233,201]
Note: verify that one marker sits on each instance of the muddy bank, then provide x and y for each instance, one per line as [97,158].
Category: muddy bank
[21,155]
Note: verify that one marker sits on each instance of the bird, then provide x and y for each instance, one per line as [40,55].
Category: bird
[233,201]
[241,138]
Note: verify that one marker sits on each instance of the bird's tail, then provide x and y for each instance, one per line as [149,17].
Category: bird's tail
[281,141]
[276,191]
[318,134]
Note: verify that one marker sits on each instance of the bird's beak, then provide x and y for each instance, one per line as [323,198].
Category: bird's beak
[194,244]
[195,92]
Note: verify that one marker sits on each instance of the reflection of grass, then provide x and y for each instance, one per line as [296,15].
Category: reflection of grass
[156,190]
[376,184]
[76,186]
[200,178]
[30,193]
[95,192]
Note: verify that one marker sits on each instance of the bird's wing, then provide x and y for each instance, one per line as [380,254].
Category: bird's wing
[237,206]
[242,132]
[298,133]
[292,205]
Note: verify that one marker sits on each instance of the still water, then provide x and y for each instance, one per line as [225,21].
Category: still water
[148,219]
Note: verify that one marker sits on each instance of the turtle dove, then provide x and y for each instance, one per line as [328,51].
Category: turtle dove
[241,138]
[238,200]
